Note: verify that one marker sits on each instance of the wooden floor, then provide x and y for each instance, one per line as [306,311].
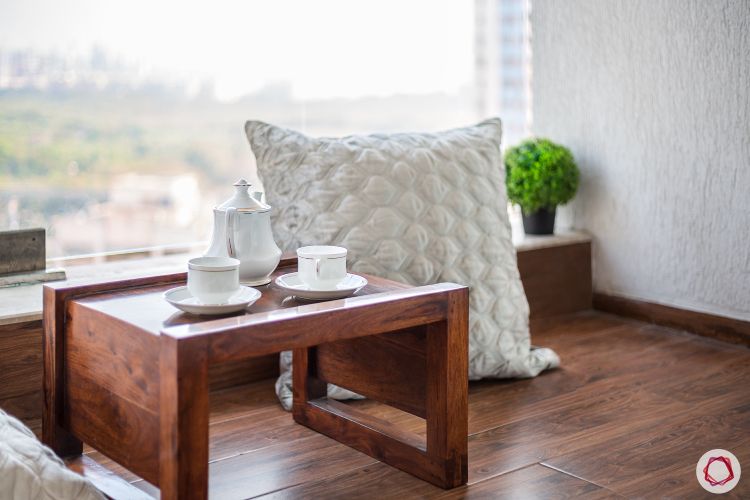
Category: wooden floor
[629,414]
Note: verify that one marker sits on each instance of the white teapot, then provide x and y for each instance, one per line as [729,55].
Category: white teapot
[242,229]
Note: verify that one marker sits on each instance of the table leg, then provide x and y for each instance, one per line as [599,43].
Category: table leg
[447,391]
[305,384]
[54,431]
[443,459]
[183,419]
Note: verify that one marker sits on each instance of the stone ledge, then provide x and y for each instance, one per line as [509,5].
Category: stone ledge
[524,242]
[23,303]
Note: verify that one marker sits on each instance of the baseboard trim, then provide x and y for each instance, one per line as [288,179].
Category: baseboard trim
[735,331]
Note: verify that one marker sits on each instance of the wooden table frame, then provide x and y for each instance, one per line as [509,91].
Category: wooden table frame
[112,384]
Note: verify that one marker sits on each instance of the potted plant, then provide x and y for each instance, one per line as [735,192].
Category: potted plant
[540,175]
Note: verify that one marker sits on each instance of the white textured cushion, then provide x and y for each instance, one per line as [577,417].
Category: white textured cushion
[416,208]
[30,470]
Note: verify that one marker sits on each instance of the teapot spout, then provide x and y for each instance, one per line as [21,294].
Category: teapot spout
[258,195]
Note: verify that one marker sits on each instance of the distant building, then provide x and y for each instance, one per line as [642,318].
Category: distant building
[503,65]
[141,210]
[27,69]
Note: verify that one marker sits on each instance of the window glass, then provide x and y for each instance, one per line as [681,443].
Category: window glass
[121,123]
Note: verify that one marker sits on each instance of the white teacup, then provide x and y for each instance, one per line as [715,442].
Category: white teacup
[212,280]
[321,267]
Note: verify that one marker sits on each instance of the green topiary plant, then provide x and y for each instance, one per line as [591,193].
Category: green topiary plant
[540,174]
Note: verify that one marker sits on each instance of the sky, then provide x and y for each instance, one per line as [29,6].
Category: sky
[324,48]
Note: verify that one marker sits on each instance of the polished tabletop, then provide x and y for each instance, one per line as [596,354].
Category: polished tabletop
[146,308]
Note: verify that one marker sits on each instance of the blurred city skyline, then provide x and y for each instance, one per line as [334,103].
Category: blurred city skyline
[327,49]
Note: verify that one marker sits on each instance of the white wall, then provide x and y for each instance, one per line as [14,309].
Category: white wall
[653,98]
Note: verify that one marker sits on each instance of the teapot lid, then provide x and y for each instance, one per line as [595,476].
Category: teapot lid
[242,200]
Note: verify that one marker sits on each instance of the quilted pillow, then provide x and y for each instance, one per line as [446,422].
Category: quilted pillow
[417,208]
[28,469]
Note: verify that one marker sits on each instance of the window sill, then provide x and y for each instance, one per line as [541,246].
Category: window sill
[22,304]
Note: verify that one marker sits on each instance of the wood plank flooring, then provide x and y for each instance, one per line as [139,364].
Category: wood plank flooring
[628,415]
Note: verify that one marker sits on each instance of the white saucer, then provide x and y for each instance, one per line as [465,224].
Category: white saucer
[260,282]
[181,298]
[292,284]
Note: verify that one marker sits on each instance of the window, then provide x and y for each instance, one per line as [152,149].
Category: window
[121,123]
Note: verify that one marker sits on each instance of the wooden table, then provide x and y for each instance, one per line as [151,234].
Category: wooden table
[126,373]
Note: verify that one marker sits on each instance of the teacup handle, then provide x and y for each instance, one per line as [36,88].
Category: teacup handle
[317,268]
[229,226]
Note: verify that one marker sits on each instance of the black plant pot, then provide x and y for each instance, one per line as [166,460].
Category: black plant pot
[540,222]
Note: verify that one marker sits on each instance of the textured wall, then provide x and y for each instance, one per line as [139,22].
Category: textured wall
[653,97]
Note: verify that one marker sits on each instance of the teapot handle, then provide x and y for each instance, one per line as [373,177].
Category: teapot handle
[229,225]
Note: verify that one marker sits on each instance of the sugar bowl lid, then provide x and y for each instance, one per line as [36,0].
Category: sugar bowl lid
[242,200]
